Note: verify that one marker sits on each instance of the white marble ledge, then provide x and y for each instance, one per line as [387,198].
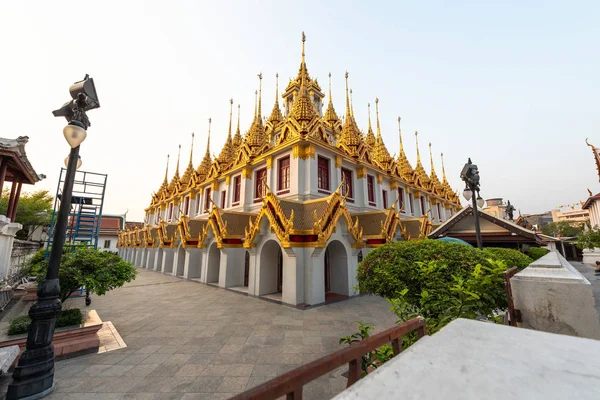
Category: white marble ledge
[472,360]
[552,267]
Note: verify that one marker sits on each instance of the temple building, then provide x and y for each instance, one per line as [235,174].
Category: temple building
[289,209]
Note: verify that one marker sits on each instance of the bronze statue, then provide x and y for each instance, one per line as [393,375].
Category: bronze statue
[510,209]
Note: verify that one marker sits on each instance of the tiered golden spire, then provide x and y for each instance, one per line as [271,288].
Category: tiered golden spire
[276,116]
[187,175]
[165,185]
[350,138]
[255,138]
[420,176]
[330,115]
[405,170]
[228,152]
[380,152]
[237,139]
[303,109]
[175,180]
[204,166]
[435,181]
[370,138]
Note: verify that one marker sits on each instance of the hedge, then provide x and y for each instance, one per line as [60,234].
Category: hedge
[67,317]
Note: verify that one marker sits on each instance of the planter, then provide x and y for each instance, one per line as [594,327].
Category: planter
[68,340]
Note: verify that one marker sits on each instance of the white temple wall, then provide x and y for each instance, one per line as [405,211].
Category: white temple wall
[151,261]
[158,262]
[293,276]
[232,267]
[314,289]
[144,257]
[213,263]
[178,261]
[167,263]
[252,271]
[193,263]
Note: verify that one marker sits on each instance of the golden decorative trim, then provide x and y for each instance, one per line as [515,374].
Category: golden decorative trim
[361,172]
[227,179]
[393,185]
[215,186]
[379,179]
[269,161]
[304,152]
[247,172]
[338,161]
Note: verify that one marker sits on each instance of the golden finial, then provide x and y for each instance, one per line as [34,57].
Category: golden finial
[255,102]
[443,168]
[417,141]
[167,169]
[377,116]
[303,40]
[238,124]
[192,149]
[330,98]
[230,115]
[347,98]
[430,157]
[259,96]
[178,156]
[351,104]
[400,136]
[369,115]
[277,88]
[208,141]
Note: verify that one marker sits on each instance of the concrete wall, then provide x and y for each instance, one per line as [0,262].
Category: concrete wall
[554,297]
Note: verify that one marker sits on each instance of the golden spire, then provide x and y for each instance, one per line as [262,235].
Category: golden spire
[259,113]
[303,40]
[185,179]
[303,109]
[255,102]
[330,115]
[377,116]
[400,136]
[417,142]
[175,180]
[431,157]
[276,115]
[436,185]
[228,152]
[370,138]
[207,160]
[230,116]
[237,139]
[351,104]
[443,169]
[350,138]
[165,182]
[178,157]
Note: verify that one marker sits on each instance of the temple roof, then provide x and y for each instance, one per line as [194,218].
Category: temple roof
[12,152]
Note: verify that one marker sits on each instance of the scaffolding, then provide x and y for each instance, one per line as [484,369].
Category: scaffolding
[83,226]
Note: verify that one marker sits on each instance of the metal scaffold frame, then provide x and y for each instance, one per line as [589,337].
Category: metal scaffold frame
[83,227]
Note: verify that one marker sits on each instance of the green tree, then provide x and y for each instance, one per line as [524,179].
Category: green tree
[99,271]
[590,239]
[563,229]
[34,209]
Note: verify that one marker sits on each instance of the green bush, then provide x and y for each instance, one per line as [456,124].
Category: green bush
[537,252]
[67,317]
[511,257]
[391,268]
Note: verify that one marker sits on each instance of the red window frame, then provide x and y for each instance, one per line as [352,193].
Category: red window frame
[323,173]
[348,188]
[401,199]
[283,181]
[206,199]
[384,198]
[186,205]
[371,189]
[260,190]
[422,200]
[237,189]
[223,197]
[439,212]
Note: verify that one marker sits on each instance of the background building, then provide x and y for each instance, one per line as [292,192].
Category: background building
[573,216]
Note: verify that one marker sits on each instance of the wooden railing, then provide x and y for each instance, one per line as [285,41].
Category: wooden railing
[291,383]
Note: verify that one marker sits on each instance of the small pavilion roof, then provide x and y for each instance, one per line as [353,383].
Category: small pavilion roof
[13,152]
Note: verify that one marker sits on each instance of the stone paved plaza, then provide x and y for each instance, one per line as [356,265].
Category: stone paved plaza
[187,340]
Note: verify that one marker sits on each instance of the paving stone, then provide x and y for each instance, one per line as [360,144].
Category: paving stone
[233,384]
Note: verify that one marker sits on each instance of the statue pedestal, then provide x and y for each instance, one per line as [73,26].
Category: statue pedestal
[8,230]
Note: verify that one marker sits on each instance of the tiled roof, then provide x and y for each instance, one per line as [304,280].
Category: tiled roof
[371,222]
[236,221]
[304,212]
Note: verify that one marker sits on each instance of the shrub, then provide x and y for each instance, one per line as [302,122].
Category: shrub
[98,271]
[512,257]
[391,268]
[67,317]
[537,252]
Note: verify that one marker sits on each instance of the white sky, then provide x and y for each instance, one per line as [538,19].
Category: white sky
[514,87]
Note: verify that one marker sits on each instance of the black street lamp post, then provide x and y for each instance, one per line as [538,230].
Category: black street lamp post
[33,376]
[470,175]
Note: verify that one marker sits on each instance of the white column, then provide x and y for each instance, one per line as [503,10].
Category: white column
[7,237]
[167,261]
[293,276]
[253,273]
[193,263]
[314,277]
[231,271]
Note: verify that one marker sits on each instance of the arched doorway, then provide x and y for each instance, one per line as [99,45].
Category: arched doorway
[180,261]
[214,264]
[336,270]
[271,269]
